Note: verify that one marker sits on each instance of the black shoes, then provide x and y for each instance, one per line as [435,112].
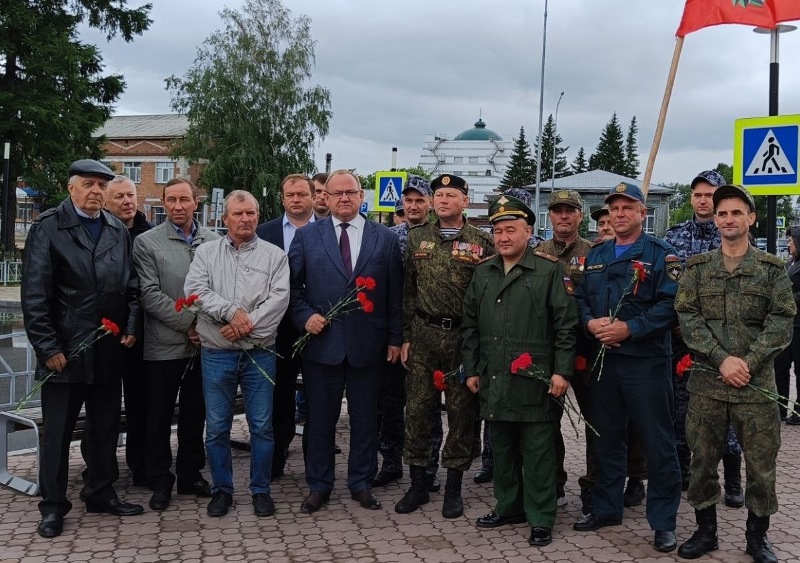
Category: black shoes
[634,493]
[587,501]
[453,505]
[314,501]
[484,475]
[494,520]
[366,499]
[263,505]
[116,507]
[595,522]
[417,495]
[199,488]
[540,536]
[220,503]
[665,541]
[160,499]
[51,525]
[385,477]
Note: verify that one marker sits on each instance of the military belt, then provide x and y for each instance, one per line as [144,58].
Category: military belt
[444,323]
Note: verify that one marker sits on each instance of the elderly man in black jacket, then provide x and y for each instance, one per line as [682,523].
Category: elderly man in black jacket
[77,271]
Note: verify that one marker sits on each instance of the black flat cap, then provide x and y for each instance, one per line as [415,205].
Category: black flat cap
[88,167]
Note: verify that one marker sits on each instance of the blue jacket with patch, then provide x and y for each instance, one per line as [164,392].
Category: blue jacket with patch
[647,307]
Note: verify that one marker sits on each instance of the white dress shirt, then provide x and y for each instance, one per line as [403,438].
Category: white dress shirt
[355,232]
[289,229]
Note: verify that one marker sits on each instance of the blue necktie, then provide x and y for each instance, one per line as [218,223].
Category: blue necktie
[344,248]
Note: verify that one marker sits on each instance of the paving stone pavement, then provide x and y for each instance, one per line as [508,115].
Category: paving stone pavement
[343,531]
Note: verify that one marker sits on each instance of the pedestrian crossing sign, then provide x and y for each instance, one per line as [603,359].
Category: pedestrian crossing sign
[388,189]
[766,151]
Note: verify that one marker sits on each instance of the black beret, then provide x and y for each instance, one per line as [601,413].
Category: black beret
[450,181]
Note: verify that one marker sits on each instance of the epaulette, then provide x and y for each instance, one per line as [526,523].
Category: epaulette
[541,254]
[699,259]
[45,214]
[763,256]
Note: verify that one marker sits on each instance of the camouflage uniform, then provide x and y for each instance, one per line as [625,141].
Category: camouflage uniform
[691,238]
[438,270]
[747,314]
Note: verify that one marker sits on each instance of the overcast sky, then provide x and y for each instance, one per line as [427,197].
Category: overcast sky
[398,71]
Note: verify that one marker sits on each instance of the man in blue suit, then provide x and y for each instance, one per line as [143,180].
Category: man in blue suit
[347,354]
[297,197]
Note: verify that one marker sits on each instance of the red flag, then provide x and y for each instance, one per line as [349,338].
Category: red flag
[760,13]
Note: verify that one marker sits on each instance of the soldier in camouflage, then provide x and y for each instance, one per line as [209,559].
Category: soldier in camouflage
[416,198]
[440,260]
[736,310]
[695,236]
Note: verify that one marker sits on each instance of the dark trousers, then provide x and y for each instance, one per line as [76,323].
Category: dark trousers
[61,405]
[134,392]
[391,420]
[783,365]
[283,406]
[169,381]
[637,389]
[324,386]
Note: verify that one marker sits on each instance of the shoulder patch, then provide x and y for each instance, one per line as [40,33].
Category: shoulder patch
[763,256]
[671,258]
[541,254]
[698,259]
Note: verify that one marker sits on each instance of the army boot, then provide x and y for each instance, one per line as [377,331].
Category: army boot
[417,495]
[758,545]
[453,505]
[704,538]
[732,468]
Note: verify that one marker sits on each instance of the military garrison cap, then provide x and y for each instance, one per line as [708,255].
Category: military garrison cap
[419,184]
[566,197]
[87,167]
[509,207]
[627,190]
[731,190]
[598,211]
[450,181]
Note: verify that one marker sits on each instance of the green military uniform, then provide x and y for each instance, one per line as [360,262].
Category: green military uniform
[438,270]
[747,314]
[571,255]
[506,314]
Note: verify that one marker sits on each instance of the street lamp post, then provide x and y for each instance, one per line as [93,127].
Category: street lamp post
[555,135]
[541,113]
[4,231]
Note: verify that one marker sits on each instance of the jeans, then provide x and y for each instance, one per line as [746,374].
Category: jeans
[223,371]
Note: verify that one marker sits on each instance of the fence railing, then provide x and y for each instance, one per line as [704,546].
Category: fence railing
[10,271]
[17,364]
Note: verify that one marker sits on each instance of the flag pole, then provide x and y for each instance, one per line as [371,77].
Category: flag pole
[662,116]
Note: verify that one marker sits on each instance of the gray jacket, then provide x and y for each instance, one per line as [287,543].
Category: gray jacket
[254,278]
[162,258]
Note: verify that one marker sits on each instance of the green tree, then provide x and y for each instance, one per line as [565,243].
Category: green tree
[610,152]
[579,164]
[680,204]
[53,92]
[253,113]
[551,139]
[632,151]
[521,169]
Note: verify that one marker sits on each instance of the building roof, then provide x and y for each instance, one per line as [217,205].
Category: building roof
[598,181]
[166,126]
[478,133]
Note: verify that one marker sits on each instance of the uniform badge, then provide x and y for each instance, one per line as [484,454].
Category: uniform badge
[502,200]
[446,181]
[568,285]
[592,268]
[674,269]
[620,188]
[563,194]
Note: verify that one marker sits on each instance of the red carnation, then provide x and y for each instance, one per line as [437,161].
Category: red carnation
[368,306]
[439,380]
[639,271]
[110,326]
[362,297]
[684,365]
[367,283]
[523,361]
[192,299]
[179,304]
[580,363]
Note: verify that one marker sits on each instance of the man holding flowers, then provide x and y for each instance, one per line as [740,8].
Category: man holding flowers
[77,270]
[517,304]
[736,311]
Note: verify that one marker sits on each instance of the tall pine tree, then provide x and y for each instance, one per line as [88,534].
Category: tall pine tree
[632,150]
[610,152]
[550,139]
[579,164]
[521,169]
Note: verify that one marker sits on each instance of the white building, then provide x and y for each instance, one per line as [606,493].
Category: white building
[479,155]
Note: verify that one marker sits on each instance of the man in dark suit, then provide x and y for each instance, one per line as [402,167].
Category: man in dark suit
[297,197]
[325,258]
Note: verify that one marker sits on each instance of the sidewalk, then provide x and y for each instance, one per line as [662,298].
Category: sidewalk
[343,531]
[9,296]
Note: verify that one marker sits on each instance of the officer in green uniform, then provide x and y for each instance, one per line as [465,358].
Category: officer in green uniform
[517,302]
[439,264]
[736,310]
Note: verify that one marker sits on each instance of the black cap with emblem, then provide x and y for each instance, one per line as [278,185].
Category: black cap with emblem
[450,181]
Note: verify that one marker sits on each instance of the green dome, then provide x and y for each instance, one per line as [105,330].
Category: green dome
[479,133]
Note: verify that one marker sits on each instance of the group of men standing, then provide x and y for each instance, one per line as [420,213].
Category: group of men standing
[447,298]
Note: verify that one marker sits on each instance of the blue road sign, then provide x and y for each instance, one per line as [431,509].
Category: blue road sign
[388,189]
[766,154]
[364,207]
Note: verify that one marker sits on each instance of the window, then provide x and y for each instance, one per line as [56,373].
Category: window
[24,212]
[159,216]
[457,173]
[165,171]
[472,173]
[592,225]
[458,159]
[650,221]
[473,160]
[133,170]
[544,221]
